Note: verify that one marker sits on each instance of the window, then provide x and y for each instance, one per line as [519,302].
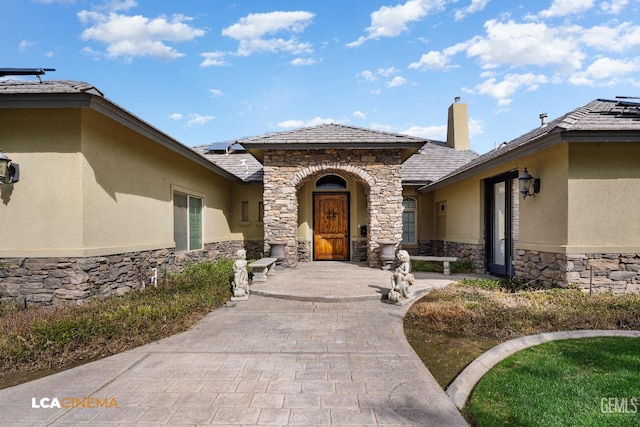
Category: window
[245,211]
[409,220]
[187,222]
[331,182]
[260,211]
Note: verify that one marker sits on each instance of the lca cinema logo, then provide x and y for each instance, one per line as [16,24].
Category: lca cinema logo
[73,402]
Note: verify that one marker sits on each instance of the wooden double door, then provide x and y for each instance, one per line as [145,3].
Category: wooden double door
[331,226]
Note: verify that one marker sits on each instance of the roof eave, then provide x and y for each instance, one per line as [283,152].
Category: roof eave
[111,110]
[257,149]
[545,141]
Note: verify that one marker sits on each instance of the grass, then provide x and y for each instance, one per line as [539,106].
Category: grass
[39,339]
[450,327]
[561,383]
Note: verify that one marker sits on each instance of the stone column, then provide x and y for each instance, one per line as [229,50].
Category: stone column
[280,210]
[385,204]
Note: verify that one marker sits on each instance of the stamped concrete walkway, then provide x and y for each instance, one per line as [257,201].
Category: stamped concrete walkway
[263,362]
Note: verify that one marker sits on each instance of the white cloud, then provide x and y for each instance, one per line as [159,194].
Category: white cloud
[427,132]
[505,89]
[251,30]
[605,71]
[474,7]
[213,59]
[618,38]
[475,127]
[368,75]
[391,21]
[432,61]
[567,7]
[439,132]
[24,45]
[216,93]
[383,72]
[378,126]
[176,116]
[514,44]
[519,44]
[303,61]
[397,81]
[614,6]
[360,115]
[316,121]
[198,119]
[137,36]
[387,72]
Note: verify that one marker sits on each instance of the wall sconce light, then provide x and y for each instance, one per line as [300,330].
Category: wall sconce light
[9,172]
[529,185]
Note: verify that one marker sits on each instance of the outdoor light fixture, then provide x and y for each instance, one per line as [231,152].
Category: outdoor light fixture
[529,185]
[9,172]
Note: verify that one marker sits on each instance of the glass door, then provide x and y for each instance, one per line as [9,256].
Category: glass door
[498,224]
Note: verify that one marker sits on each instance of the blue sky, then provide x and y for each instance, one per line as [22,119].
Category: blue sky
[205,71]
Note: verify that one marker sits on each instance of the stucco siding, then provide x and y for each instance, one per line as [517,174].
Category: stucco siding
[42,212]
[543,218]
[128,184]
[251,229]
[604,195]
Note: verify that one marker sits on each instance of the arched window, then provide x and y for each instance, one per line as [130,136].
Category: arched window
[331,182]
[409,207]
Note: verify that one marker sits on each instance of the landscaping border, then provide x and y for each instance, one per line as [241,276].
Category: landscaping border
[462,387]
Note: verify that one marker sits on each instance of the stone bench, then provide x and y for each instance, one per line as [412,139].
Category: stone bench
[262,268]
[444,259]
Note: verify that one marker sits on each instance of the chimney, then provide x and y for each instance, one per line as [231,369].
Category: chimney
[458,126]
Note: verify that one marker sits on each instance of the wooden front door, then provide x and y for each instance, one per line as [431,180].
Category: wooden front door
[331,226]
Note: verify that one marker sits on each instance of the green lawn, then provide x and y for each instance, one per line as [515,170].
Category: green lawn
[583,382]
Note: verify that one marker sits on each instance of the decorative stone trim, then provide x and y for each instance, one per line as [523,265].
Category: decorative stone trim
[617,273]
[73,280]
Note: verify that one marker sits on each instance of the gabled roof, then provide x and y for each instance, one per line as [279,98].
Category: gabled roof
[332,136]
[434,160]
[601,119]
[240,163]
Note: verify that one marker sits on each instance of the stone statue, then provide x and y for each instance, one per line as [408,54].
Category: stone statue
[402,280]
[240,283]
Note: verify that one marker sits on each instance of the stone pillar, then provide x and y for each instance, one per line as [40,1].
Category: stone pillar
[280,209]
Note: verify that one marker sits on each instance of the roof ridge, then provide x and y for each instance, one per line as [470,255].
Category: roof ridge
[310,129]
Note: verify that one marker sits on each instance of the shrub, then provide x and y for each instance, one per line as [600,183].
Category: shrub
[39,337]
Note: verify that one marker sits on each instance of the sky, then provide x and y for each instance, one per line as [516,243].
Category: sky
[205,71]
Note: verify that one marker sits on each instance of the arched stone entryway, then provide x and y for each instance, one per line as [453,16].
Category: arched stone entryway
[379,171]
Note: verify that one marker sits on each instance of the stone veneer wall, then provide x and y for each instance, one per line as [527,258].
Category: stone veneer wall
[618,273]
[474,253]
[380,171]
[359,250]
[72,280]
[304,251]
